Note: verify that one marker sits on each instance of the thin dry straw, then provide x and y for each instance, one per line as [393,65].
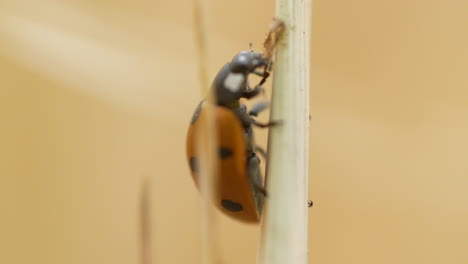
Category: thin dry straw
[284,237]
[206,138]
[145,223]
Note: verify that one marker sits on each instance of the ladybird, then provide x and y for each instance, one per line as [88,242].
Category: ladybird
[239,191]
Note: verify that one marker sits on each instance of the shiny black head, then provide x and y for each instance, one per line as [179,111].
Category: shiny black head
[232,80]
[246,62]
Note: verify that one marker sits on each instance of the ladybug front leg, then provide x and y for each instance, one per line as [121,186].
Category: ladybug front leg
[266,72]
[249,93]
[265,76]
[259,188]
[269,124]
[258,107]
[262,151]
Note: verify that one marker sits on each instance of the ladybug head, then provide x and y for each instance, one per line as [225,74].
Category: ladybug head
[232,80]
[246,62]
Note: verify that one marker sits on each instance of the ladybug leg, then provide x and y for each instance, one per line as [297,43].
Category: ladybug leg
[258,107]
[264,74]
[252,92]
[254,173]
[265,77]
[261,151]
[266,70]
[261,189]
[269,124]
[256,180]
[249,93]
[261,74]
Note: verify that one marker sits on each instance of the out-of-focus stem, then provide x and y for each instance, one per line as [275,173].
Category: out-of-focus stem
[206,139]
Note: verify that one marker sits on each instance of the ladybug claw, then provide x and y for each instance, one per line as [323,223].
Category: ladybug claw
[261,189]
[277,123]
[261,151]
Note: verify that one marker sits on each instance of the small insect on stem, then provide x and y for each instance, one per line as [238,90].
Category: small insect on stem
[276,29]
[271,39]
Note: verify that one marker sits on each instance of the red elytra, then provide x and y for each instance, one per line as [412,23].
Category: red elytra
[233,193]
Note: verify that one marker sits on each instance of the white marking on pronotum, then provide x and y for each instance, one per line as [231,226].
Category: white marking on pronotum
[234,81]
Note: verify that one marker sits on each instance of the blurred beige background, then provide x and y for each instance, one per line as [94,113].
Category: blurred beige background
[96,96]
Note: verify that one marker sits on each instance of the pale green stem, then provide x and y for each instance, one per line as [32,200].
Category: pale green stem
[284,227]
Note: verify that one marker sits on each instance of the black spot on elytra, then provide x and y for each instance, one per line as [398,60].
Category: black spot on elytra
[193,164]
[224,153]
[231,206]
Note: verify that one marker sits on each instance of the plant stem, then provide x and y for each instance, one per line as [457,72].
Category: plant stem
[285,220]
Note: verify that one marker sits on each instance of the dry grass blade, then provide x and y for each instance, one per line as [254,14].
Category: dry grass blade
[145,223]
[207,154]
[284,227]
